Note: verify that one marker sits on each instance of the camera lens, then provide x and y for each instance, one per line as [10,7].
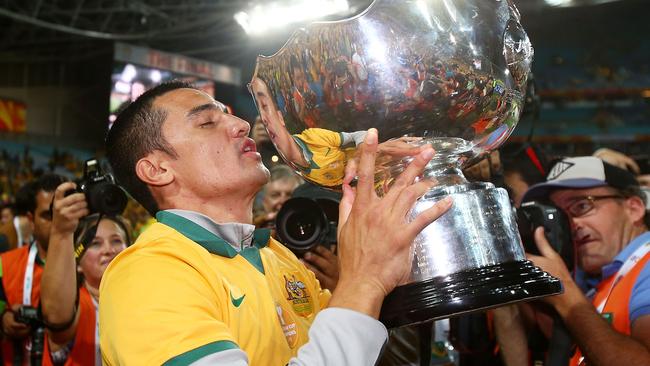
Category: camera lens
[302,227]
[107,198]
[301,224]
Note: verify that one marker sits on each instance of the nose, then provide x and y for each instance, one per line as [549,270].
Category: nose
[576,226]
[239,128]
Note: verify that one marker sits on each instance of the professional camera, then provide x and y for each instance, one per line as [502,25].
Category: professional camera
[28,315]
[534,214]
[102,194]
[308,219]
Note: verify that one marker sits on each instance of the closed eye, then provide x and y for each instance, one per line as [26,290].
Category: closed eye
[207,124]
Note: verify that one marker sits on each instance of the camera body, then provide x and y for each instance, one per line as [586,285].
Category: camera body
[28,315]
[557,229]
[102,194]
[308,219]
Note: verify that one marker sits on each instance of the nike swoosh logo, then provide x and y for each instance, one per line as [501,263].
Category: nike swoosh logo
[237,302]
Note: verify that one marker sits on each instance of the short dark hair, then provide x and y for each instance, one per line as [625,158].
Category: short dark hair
[26,195]
[136,132]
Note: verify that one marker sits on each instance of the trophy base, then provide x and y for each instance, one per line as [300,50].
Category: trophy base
[467,291]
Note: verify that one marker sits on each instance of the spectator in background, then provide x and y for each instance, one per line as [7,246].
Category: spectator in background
[265,147]
[611,324]
[21,272]
[6,214]
[276,192]
[81,247]
[7,229]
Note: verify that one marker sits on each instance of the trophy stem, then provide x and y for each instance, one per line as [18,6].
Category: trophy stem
[446,171]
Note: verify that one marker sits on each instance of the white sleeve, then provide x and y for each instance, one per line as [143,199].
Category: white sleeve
[338,337]
[342,337]
[356,137]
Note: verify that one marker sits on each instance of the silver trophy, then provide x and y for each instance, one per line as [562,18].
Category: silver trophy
[450,73]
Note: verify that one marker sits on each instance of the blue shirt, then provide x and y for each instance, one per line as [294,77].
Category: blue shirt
[640,298]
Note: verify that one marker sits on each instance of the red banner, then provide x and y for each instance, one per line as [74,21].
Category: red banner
[12,116]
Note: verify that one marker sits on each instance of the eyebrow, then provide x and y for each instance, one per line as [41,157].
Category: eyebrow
[205,107]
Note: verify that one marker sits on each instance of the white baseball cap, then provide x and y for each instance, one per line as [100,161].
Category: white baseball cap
[581,172]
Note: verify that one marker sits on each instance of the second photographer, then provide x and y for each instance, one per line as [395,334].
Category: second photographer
[82,245]
[307,224]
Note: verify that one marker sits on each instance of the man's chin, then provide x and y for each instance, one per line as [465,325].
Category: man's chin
[592,266]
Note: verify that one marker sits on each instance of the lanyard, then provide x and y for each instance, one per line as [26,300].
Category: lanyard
[98,353]
[29,275]
[630,262]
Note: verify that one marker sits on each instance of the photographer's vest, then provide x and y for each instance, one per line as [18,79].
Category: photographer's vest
[85,347]
[612,298]
[21,271]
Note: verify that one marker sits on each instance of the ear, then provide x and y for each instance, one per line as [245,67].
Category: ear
[154,170]
[636,208]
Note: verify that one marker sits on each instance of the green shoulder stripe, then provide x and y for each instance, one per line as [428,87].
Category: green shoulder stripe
[198,353]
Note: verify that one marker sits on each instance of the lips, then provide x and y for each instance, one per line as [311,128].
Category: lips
[583,239]
[248,146]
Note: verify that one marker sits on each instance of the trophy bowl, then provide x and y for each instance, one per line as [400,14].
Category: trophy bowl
[450,73]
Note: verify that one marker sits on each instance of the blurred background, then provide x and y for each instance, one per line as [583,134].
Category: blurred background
[67,66]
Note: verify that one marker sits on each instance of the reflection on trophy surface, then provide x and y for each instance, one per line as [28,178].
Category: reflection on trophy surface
[450,73]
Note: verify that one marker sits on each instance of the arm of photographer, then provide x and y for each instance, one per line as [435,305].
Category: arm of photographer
[59,286]
[599,342]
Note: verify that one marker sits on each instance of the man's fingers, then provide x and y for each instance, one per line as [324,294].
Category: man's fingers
[644,180]
[316,271]
[415,168]
[429,215]
[366,168]
[350,171]
[62,188]
[317,260]
[325,252]
[408,196]
[345,207]
[542,243]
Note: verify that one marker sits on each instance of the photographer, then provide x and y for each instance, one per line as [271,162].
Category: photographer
[81,247]
[307,224]
[611,323]
[21,279]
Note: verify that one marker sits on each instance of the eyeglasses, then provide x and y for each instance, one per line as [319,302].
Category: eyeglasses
[584,205]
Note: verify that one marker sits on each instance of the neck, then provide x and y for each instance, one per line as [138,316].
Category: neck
[636,231]
[92,290]
[42,252]
[220,210]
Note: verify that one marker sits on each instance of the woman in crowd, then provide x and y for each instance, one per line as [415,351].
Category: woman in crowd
[81,247]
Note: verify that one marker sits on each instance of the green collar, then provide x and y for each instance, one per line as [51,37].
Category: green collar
[309,155]
[205,238]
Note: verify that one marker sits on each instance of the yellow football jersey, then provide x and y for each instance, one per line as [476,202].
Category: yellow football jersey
[327,158]
[181,293]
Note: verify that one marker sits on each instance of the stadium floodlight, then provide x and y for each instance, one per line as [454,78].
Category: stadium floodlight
[260,19]
[569,3]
